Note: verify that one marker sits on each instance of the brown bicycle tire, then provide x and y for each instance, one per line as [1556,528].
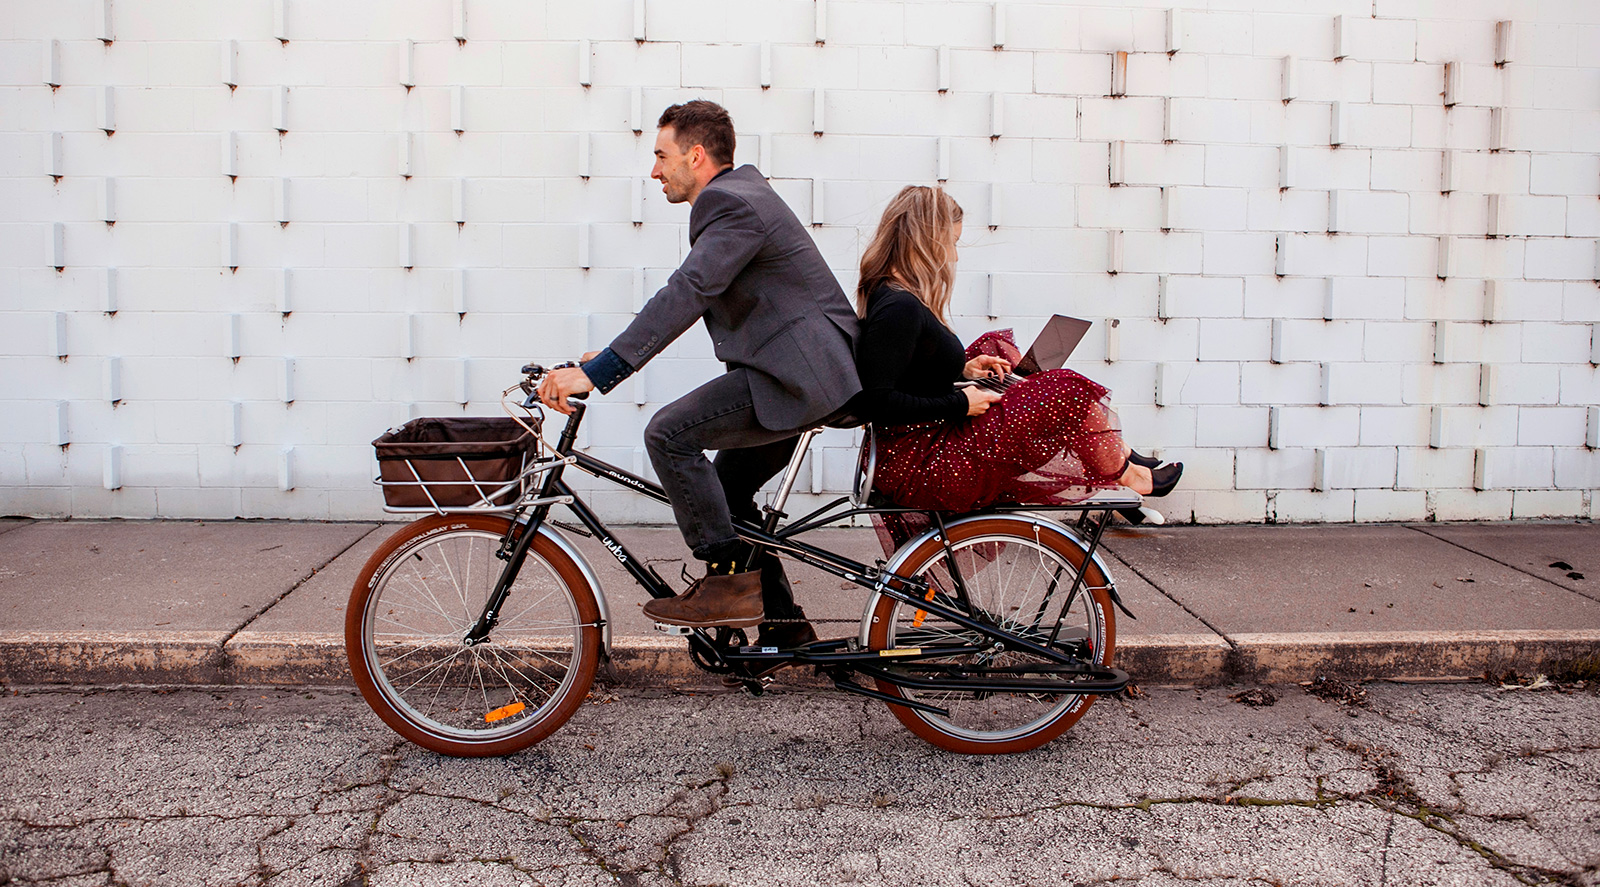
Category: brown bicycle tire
[585,663]
[928,554]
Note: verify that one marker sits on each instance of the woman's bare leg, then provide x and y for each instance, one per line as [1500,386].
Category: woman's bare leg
[1137,478]
[1106,455]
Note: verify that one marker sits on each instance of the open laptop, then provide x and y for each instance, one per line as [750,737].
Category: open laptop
[1050,350]
[1061,334]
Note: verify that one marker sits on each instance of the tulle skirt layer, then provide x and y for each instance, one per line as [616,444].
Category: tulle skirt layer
[1051,439]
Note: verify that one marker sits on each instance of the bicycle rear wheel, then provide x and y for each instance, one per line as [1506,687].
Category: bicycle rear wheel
[411,609]
[1018,575]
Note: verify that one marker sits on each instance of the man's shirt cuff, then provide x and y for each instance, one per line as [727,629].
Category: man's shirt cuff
[607,370]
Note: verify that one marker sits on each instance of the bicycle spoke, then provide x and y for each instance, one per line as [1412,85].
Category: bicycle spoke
[466,607]
[530,682]
[401,625]
[424,591]
[530,606]
[416,649]
[477,671]
[445,663]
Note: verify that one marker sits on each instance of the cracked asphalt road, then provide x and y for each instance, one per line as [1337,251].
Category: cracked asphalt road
[1437,784]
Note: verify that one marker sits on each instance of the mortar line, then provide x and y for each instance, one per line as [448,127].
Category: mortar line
[295,587]
[1163,592]
[1488,557]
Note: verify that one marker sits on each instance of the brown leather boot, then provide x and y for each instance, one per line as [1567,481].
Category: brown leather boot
[714,601]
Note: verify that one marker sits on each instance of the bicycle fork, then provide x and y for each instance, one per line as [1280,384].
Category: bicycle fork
[490,615]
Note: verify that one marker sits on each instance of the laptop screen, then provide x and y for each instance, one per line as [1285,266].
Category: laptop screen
[1050,350]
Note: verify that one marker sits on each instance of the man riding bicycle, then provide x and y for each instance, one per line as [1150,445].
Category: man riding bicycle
[786,332]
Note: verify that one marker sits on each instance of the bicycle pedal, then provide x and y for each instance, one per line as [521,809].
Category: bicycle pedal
[681,631]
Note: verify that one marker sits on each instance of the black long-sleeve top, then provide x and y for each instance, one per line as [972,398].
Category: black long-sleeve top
[909,363]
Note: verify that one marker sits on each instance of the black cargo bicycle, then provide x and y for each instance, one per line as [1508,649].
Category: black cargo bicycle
[478,629]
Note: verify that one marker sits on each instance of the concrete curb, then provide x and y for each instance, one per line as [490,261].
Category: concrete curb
[288,659]
[1281,658]
[146,657]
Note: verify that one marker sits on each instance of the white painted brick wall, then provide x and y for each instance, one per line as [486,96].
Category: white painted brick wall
[1434,469]
[1225,265]
[1318,426]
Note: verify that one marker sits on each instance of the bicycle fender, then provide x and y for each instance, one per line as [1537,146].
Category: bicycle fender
[582,563]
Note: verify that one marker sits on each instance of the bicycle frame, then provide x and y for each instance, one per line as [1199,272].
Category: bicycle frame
[842,656]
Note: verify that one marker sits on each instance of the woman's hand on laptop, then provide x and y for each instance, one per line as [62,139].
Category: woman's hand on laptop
[983,366]
[978,399]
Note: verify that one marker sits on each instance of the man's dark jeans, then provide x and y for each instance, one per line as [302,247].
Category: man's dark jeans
[720,415]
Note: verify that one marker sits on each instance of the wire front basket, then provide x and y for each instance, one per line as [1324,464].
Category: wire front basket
[464,464]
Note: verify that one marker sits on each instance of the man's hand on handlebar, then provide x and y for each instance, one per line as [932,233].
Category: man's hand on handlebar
[560,384]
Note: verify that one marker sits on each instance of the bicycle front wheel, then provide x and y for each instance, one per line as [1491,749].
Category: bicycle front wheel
[409,614]
[1018,576]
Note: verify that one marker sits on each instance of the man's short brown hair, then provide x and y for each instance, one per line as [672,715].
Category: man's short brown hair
[702,123]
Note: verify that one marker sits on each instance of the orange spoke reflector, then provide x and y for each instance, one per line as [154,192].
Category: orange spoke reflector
[917,617]
[504,711]
[901,651]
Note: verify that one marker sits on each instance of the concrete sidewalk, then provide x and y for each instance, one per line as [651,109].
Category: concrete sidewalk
[262,602]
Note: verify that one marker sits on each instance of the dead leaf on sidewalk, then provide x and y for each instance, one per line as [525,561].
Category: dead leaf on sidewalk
[1256,698]
[1465,579]
[1539,682]
[1335,690]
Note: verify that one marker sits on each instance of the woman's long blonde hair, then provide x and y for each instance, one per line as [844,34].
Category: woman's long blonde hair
[914,248]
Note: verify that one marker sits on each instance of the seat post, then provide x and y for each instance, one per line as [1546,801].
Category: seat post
[775,510]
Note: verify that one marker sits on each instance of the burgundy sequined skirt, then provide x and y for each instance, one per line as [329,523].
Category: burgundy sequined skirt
[1051,439]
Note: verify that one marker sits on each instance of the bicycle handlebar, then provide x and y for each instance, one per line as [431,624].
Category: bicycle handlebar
[534,372]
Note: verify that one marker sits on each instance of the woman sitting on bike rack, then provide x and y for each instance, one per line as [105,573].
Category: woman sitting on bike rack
[953,434]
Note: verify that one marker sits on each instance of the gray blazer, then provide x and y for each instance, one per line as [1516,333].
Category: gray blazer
[768,299]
